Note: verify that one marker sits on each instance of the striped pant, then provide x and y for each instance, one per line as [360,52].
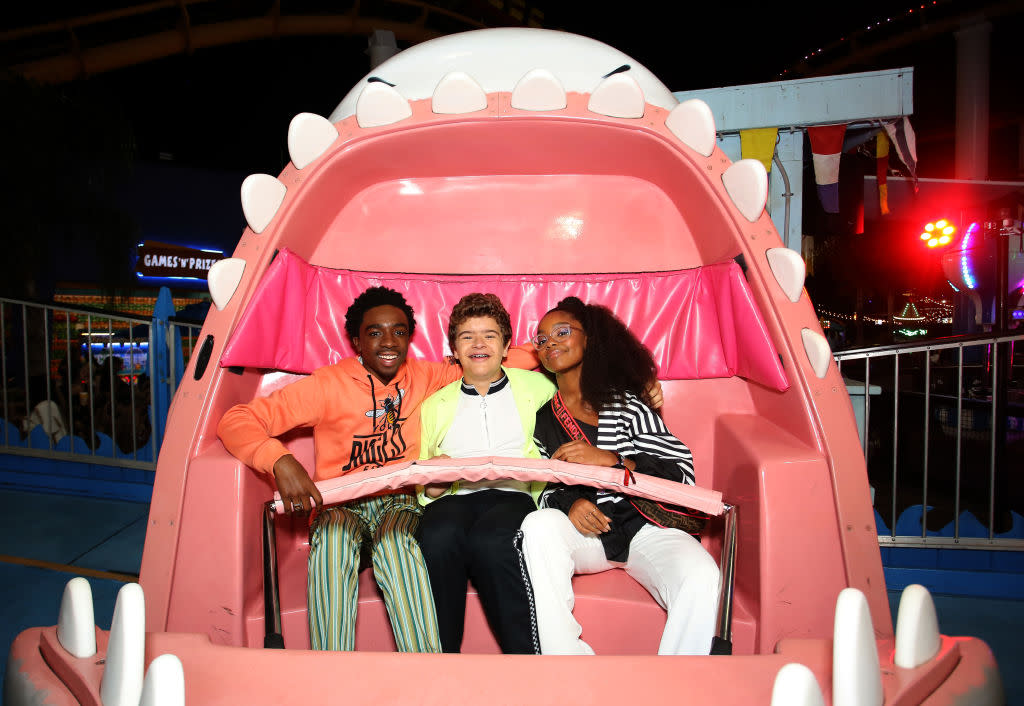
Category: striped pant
[388,522]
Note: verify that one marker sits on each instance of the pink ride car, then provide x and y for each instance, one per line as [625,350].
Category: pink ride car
[532,164]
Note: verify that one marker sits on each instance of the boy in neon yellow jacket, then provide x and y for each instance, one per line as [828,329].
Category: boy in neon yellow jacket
[469,530]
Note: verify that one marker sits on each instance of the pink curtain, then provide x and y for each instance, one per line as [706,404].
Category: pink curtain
[698,323]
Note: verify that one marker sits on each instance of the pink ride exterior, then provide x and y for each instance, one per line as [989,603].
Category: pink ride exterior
[544,181]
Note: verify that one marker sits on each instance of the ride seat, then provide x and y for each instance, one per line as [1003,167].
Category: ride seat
[707,336]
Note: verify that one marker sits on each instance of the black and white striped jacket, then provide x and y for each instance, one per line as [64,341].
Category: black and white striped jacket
[632,429]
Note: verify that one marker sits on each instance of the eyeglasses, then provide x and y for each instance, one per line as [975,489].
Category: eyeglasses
[558,333]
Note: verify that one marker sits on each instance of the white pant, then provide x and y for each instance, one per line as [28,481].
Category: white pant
[673,566]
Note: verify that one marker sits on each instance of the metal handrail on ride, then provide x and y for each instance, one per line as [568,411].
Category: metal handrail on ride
[722,643]
[273,637]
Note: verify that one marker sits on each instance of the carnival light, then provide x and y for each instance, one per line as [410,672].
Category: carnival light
[965,264]
[926,310]
[938,233]
[906,17]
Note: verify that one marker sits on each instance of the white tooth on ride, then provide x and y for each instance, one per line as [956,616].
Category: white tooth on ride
[121,684]
[458,93]
[917,628]
[746,181]
[819,354]
[76,623]
[789,270]
[618,96]
[309,136]
[165,682]
[856,676]
[223,278]
[539,90]
[795,685]
[692,122]
[380,104]
[262,195]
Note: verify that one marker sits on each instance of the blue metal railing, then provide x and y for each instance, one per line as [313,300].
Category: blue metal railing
[87,388]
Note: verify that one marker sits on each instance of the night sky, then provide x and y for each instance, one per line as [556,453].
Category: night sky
[201,122]
[228,107]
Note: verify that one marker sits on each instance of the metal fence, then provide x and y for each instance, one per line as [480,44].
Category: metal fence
[942,423]
[942,428]
[85,385]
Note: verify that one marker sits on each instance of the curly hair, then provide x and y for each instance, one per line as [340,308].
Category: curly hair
[373,297]
[477,304]
[614,360]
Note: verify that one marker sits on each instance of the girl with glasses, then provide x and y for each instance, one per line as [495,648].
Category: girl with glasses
[601,416]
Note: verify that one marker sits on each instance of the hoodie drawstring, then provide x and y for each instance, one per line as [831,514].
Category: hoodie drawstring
[373,406]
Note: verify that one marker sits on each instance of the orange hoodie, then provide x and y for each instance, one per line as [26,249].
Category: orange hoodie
[358,421]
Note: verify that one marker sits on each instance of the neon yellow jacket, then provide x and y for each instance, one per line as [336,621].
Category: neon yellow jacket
[530,390]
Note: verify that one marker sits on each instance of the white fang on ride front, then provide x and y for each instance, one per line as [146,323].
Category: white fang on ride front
[795,685]
[165,682]
[380,104]
[746,181]
[917,628]
[223,279]
[789,270]
[76,622]
[693,123]
[262,195]
[539,90]
[856,676]
[618,96]
[819,354]
[458,93]
[123,672]
[309,136]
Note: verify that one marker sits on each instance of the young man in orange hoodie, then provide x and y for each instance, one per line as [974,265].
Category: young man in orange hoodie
[365,413]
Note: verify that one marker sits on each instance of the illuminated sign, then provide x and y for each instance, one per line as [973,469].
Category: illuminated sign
[166,260]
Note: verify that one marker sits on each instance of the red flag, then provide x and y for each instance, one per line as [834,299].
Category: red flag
[826,146]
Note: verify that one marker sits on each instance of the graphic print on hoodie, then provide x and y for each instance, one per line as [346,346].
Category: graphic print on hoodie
[386,443]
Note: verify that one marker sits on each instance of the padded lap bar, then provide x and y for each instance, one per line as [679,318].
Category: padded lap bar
[404,475]
[698,323]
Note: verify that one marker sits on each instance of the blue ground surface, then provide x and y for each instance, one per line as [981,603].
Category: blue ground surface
[107,536]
